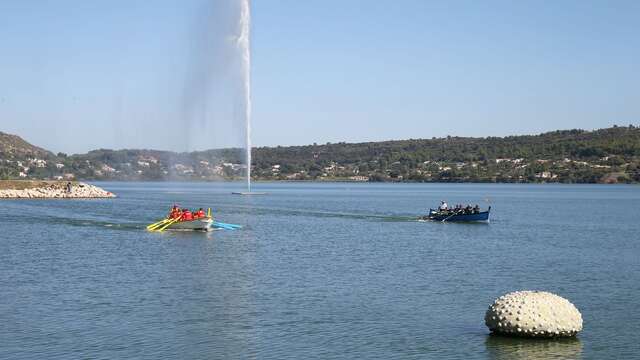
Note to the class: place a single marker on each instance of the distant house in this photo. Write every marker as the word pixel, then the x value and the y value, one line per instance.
pixel 331 167
pixel 147 159
pixel 108 169
pixel 546 175
pixel 184 169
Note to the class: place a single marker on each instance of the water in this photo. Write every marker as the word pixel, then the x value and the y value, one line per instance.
pixel 320 271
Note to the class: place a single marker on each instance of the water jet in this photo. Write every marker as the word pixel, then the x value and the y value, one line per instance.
pixel 244 44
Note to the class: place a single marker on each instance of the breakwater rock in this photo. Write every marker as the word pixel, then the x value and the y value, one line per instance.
pixel 533 314
pixel 51 190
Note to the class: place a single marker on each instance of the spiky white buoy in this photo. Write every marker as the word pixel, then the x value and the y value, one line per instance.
pixel 533 314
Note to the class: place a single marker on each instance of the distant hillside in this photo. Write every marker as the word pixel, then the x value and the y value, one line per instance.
pixel 605 155
pixel 13 145
pixel 570 156
pixel 16 155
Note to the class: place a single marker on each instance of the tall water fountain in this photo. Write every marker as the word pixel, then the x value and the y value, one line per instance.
pixel 244 45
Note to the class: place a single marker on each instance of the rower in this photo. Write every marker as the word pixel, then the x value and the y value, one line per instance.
pixel 187 215
pixel 174 213
pixel 199 214
pixel 443 206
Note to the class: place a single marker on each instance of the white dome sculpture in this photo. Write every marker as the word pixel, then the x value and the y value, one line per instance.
pixel 533 314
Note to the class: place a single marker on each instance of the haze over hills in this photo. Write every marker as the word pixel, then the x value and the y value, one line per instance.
pixel 570 156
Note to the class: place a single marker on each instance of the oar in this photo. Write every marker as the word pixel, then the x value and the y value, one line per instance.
pixel 448 217
pixel 222 226
pixel 232 226
pixel 157 224
pixel 227 226
pixel 171 222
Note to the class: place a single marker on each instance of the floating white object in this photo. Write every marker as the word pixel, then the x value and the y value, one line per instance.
pixel 533 314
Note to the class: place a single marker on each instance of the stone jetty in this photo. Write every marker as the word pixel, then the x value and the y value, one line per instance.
pixel 51 190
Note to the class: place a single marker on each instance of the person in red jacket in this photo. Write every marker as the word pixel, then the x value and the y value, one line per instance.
pixel 174 213
pixel 199 214
pixel 187 215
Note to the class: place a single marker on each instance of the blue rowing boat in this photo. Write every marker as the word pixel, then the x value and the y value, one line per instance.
pixel 460 216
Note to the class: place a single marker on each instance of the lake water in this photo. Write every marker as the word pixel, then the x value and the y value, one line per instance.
pixel 320 271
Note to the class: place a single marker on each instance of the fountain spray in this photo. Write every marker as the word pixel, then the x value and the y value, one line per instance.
pixel 244 42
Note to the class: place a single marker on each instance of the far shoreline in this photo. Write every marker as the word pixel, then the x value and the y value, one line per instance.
pixel 335 181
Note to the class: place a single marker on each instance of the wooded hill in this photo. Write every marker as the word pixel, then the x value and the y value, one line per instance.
pixel 571 156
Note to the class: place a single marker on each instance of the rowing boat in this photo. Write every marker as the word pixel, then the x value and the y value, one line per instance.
pixel 461 216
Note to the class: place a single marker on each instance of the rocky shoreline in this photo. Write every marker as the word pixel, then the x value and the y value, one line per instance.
pixel 51 190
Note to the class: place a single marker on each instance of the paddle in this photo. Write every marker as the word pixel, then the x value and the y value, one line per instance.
pixel 222 226
pixel 448 217
pixel 157 224
pixel 226 226
pixel 171 222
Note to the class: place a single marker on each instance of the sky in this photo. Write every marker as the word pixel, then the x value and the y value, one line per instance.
pixel 164 74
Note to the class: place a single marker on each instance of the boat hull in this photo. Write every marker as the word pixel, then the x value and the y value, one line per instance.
pixel 194 225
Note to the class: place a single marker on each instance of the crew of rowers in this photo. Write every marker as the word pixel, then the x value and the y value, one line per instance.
pixel 458 209
pixel 186 214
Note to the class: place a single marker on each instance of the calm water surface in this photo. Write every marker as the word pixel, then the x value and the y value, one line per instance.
pixel 319 271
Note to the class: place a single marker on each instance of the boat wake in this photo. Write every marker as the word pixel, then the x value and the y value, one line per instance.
pixel 256 211
pixel 56 220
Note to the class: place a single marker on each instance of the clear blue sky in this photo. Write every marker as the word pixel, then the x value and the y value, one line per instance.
pixel 78 75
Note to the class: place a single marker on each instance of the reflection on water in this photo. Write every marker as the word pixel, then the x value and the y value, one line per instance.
pixel 502 347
